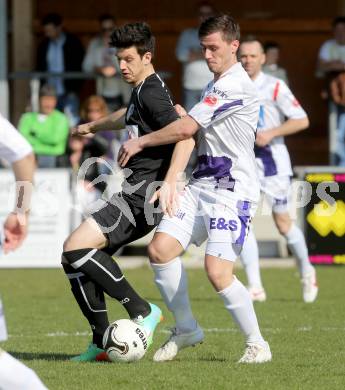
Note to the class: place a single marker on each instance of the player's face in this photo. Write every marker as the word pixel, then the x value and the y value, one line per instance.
pixel 132 65
pixel 219 53
pixel 252 58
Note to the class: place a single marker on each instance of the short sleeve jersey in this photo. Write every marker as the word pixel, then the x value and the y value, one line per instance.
pixel 277 103
pixel 13 146
pixel 150 108
pixel 228 116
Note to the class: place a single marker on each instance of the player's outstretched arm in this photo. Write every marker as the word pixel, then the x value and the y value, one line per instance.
pixel 291 126
pixel 178 130
pixel 113 121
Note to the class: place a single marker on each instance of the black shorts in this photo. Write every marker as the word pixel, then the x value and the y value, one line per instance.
pixel 123 220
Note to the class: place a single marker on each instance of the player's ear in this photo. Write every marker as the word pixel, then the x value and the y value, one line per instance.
pixel 147 57
pixel 263 58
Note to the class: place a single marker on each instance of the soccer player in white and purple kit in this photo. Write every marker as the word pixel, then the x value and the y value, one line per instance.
pixel 220 199
pixel 280 115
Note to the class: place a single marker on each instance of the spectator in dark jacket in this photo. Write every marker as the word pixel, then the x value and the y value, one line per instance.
pixel 59 52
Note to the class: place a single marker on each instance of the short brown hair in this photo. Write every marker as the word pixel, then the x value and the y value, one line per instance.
pixel 224 24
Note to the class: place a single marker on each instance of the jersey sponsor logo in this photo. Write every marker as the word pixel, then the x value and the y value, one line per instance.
pixel 223 224
pixel 210 100
pixel 220 93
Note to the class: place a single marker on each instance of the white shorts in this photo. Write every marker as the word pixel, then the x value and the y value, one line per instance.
pixel 13 146
pixel 277 192
pixel 221 220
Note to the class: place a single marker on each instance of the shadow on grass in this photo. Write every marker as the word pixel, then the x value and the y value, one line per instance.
pixel 40 356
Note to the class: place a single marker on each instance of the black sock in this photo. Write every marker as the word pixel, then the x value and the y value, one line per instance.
pixel 102 269
pixel 90 298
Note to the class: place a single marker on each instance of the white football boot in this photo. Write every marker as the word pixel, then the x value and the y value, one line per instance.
pixel 176 342
pixel 256 353
pixel 257 294
pixel 310 287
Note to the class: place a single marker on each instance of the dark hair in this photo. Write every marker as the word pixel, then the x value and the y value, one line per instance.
pixel 338 20
pixel 47 90
pixel 104 17
pixel 134 34
pixel 271 45
pixel 252 38
pixel 224 24
pixel 52 18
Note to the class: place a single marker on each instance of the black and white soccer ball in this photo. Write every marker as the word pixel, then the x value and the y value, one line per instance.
pixel 125 341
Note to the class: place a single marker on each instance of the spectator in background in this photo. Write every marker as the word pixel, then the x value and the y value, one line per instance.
pixel 61 51
pixel 271 66
pixel 46 130
pixel 100 58
pixel 331 66
pixel 196 74
pixel 81 148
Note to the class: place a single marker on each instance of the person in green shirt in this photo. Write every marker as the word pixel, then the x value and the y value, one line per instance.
pixel 46 130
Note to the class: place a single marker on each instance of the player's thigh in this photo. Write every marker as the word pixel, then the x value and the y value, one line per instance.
pixel 87 235
pixel 164 248
pixel 219 271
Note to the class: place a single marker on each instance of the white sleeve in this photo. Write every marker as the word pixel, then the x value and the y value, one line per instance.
pixel 287 102
pixel 13 146
pixel 214 107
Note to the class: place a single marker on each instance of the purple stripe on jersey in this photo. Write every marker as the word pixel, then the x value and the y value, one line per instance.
pixel 225 107
pixel 264 153
pixel 243 208
pixel 218 168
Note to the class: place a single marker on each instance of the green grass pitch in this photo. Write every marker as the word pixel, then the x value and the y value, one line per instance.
pixel 307 340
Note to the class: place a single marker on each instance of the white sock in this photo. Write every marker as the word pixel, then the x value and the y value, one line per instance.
pixel 298 247
pixel 250 260
pixel 171 280
pixel 237 301
pixel 15 375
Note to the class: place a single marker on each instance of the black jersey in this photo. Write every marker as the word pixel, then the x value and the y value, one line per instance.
pixel 150 108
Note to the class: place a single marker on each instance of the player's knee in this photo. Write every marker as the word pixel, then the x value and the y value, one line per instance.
pixel 156 252
pixel 69 245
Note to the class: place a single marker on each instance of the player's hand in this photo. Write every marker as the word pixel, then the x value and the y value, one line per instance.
pixel 168 198
pixel 83 129
pixel 180 110
pixel 15 231
pixel 128 150
pixel 263 138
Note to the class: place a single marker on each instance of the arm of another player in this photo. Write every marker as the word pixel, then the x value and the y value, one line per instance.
pixel 289 106
pixel 113 121
pixel 291 126
pixel 16 223
pixel 176 131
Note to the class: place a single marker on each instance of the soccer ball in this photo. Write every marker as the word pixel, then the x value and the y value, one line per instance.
pixel 125 341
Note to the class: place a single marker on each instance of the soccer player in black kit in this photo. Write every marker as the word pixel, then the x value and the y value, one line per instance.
pixel 86 257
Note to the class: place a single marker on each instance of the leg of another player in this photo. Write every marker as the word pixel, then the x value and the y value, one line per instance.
pixel 298 247
pixel 250 261
pixel 171 280
pixel 92 271
pixel 238 302
pixel 15 375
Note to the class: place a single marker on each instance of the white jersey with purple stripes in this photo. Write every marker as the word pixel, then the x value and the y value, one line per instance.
pixel 228 116
pixel 277 103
